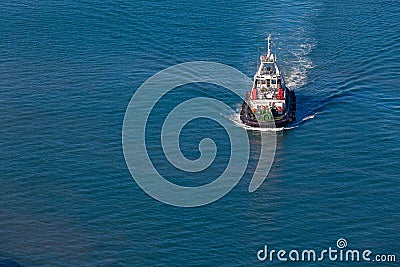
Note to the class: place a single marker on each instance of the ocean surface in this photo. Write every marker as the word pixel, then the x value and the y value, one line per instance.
pixel 68 70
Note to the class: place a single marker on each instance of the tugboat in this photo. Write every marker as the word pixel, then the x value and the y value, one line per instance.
pixel 269 103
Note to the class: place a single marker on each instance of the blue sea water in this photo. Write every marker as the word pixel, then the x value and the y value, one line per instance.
pixel 68 70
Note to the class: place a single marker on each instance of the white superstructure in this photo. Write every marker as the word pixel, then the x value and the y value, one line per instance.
pixel 268 84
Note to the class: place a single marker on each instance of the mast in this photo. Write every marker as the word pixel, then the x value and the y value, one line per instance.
pixel 269 46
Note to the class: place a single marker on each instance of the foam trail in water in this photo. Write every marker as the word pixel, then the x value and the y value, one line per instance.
pixel 297 75
pixel 297 124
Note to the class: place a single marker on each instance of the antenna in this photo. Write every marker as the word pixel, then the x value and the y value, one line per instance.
pixel 266 44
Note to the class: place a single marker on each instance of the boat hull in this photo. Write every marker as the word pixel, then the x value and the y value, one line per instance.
pixel 248 118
